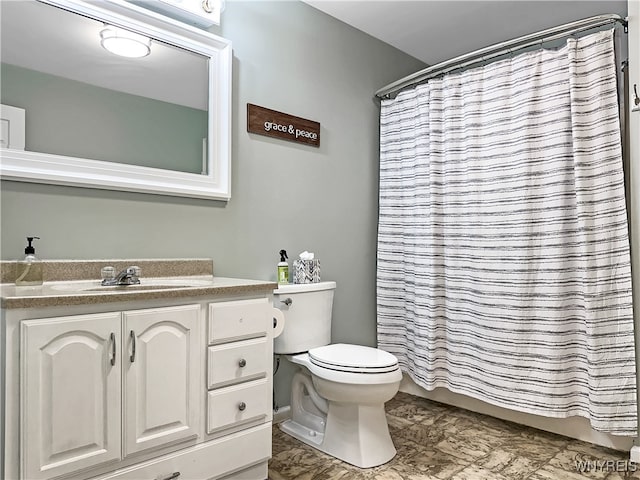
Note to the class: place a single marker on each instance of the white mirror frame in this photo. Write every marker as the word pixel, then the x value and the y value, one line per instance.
pixel 46 168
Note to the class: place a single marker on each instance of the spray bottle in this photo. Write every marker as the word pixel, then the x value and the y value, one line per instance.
pixel 283 268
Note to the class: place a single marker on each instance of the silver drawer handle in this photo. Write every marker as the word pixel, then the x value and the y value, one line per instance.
pixel 112 337
pixel 287 301
pixel 242 406
pixel 132 357
pixel 171 476
pixel 242 363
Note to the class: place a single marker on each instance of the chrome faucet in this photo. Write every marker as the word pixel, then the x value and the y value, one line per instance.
pixel 128 276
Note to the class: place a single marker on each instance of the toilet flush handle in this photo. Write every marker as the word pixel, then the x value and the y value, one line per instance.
pixel 287 301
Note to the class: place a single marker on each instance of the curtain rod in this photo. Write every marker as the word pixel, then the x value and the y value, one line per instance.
pixel 497 50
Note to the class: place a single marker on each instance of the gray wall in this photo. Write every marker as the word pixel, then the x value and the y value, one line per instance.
pixel 291 58
pixel 127 128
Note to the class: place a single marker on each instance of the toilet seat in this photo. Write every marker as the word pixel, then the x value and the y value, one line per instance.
pixel 353 358
pixel 353 378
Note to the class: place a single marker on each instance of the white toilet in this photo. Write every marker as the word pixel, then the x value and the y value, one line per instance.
pixel 338 395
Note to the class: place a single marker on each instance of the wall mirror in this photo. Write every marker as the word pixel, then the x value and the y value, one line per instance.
pixel 157 123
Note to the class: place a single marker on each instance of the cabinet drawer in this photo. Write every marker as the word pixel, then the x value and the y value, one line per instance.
pixel 237 362
pixel 238 404
pixel 257 472
pixel 214 459
pixel 238 320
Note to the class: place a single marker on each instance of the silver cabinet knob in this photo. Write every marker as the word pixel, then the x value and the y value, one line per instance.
pixel 242 363
pixel 206 6
pixel 287 301
pixel 242 406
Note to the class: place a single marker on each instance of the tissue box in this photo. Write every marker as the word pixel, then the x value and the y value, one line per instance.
pixel 306 271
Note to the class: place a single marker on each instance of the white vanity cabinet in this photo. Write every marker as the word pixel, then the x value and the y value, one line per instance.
pixel 137 390
pixel 74 398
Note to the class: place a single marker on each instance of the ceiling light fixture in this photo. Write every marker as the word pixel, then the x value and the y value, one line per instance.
pixel 125 43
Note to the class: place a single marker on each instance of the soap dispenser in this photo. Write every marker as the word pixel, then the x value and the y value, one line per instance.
pixel 29 270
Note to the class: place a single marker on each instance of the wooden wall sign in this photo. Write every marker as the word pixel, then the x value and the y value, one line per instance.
pixel 271 123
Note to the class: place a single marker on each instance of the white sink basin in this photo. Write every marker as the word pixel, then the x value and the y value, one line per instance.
pixel 145 284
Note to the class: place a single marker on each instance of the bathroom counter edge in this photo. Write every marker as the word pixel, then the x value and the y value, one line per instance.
pixel 13 297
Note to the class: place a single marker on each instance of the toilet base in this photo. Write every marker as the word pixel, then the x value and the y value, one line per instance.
pixel 302 433
pixel 356 434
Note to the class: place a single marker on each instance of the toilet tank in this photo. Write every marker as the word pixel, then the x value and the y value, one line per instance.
pixel 307 314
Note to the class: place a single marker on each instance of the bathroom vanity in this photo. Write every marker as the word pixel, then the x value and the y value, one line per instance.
pixel 168 379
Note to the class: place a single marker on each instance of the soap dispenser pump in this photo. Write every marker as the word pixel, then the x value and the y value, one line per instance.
pixel 283 268
pixel 29 270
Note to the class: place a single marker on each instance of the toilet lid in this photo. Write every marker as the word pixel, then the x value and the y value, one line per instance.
pixel 353 358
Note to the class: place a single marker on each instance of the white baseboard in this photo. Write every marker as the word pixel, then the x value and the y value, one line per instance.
pixel 634 454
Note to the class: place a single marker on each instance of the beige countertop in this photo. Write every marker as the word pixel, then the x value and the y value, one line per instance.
pixel 63 270
pixel 76 282
pixel 84 292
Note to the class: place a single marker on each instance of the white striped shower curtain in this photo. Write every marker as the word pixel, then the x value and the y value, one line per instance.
pixel 503 255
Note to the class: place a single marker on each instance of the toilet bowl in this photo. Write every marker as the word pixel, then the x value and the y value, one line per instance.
pixel 339 391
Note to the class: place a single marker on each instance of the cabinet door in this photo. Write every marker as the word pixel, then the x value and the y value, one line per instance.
pixel 70 394
pixel 163 381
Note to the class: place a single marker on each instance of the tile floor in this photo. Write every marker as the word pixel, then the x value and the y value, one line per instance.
pixel 439 442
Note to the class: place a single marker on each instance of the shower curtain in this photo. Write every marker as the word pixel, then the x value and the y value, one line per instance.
pixel 503 255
